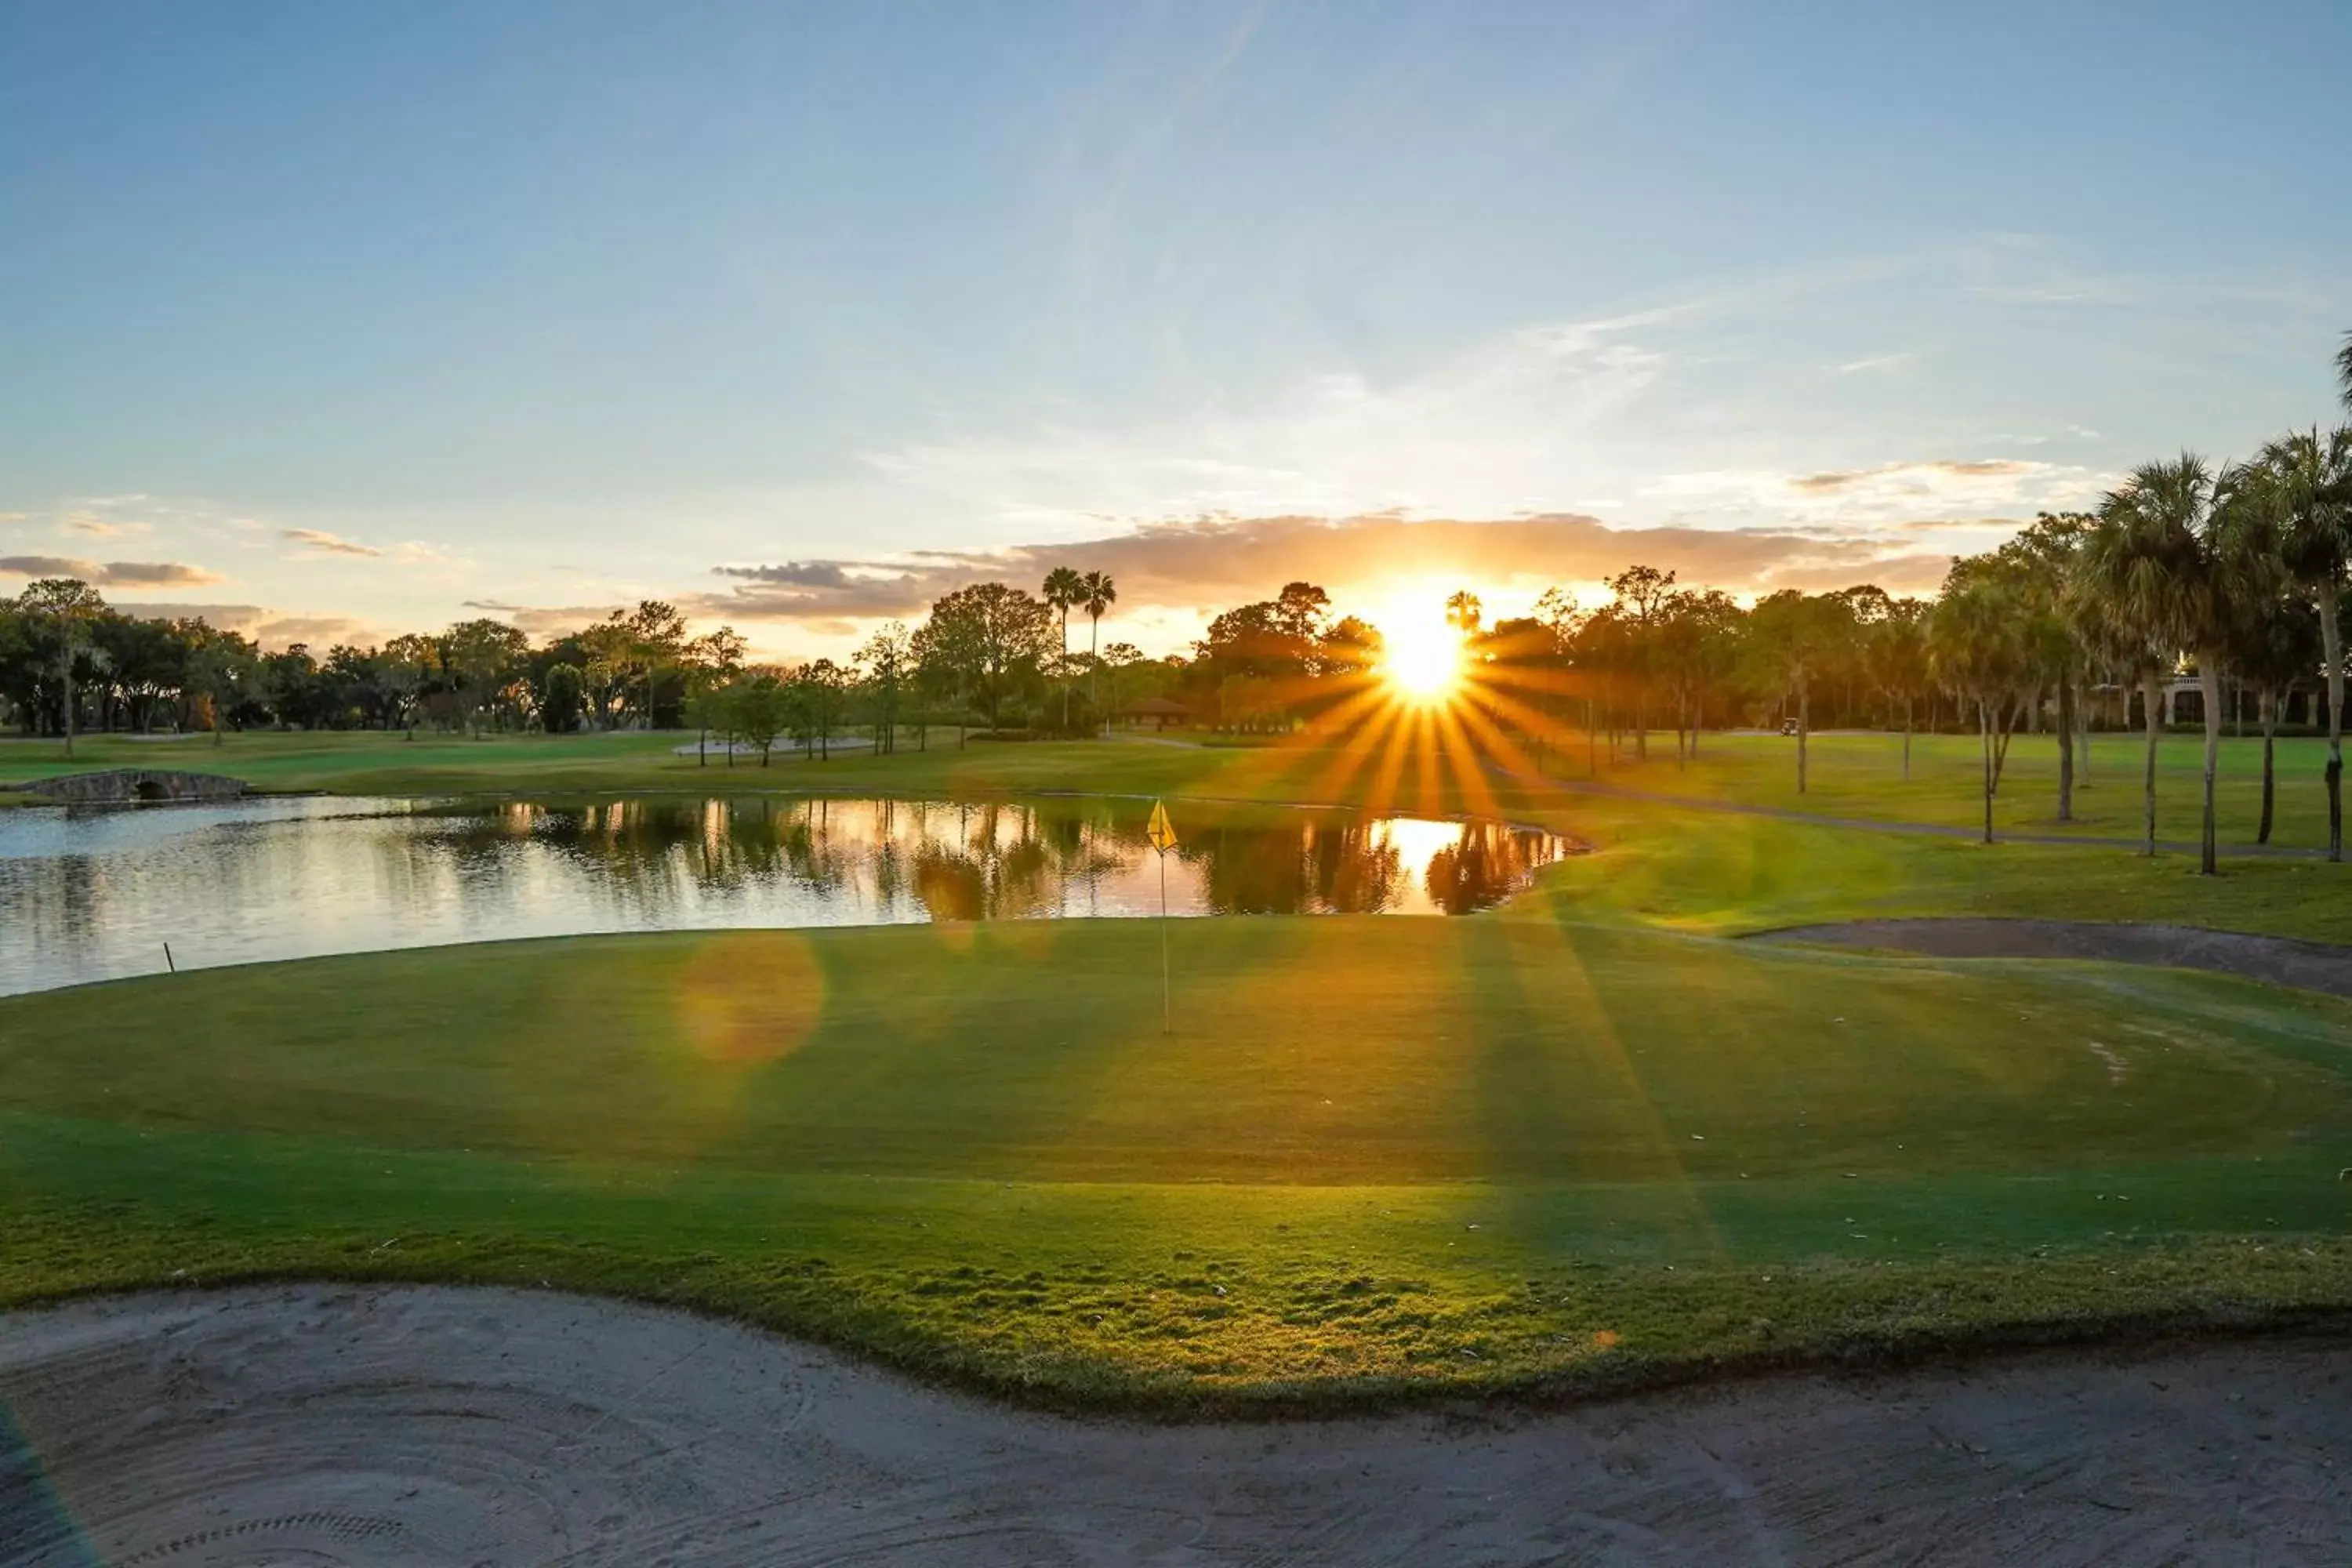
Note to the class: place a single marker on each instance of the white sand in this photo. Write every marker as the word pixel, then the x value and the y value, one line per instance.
pixel 316 1425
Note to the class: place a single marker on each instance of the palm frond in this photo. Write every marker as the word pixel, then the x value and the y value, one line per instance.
pixel 2309 475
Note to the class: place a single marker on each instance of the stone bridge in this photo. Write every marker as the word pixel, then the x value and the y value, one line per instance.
pixel 116 786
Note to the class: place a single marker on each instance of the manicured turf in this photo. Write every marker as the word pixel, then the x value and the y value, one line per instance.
pixel 1573 1143
pixel 1855 776
pixel 367 763
pixel 1706 871
pixel 1377 1155
pixel 1861 775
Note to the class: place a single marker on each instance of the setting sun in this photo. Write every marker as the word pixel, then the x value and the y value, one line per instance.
pixel 1241 717
pixel 1422 660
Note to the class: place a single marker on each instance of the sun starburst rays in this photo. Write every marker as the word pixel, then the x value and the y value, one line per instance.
pixel 1442 728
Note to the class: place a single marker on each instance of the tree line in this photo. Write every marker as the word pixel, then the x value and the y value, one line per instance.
pixel 70 663
pixel 2231 573
pixel 988 656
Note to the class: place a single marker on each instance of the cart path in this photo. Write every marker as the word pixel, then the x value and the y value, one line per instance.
pixel 329 1426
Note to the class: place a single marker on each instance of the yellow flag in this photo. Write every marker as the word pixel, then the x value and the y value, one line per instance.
pixel 1162 832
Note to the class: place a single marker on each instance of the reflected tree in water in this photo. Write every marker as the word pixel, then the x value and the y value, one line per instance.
pixel 1327 867
pixel 93 907
pixel 1358 871
pixel 1486 866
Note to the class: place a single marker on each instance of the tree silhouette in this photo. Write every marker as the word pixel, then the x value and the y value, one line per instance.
pixel 2308 483
pixel 67 608
pixel 1064 591
pixel 1099 594
pixel 2153 562
pixel 985 641
pixel 1977 641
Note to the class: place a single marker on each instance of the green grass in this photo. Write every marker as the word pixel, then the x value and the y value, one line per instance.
pixel 1855 776
pixel 1578 1143
pixel 1505 1154
pixel 366 763
pixel 1702 871
pixel 1861 776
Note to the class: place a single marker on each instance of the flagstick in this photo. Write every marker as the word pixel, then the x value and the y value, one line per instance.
pixel 1162 834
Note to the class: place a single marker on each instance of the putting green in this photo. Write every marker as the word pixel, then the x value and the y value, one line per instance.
pixel 1375 1155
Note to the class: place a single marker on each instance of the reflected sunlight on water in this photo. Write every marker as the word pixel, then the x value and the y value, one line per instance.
pixel 87 895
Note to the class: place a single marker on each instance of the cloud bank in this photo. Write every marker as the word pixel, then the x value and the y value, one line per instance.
pixel 545 620
pixel 1222 560
pixel 109 574
pixel 271 629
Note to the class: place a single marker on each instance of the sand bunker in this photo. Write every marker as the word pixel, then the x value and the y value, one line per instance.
pixel 2282 961
pixel 447 1426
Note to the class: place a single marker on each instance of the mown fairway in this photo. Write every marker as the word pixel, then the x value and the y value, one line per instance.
pixel 1491 1152
pixel 1860 775
pixel 1575 1143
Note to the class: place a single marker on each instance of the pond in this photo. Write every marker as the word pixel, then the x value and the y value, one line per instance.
pixel 95 894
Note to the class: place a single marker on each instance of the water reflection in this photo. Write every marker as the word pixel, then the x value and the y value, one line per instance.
pixel 88 895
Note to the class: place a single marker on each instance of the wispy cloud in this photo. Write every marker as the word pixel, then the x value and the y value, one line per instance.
pixel 319 542
pixel 2044 438
pixel 155 574
pixel 271 629
pixel 1860 499
pixel 49 566
pixel 325 543
pixel 794 573
pixel 545 620
pixel 98 527
pixel 1500 427
pixel 2054 294
pixel 1533 421
pixel 109 574
pixel 1846 479
pixel 1878 362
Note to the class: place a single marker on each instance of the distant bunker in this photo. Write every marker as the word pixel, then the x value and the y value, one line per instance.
pixel 116 787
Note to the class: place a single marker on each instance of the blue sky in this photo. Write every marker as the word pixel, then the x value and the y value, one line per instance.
pixel 339 319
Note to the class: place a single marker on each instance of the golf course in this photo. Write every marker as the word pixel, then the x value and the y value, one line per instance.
pixel 1590 1139
pixel 1235 786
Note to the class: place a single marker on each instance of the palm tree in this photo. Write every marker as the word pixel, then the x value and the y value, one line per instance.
pixel 1099 595
pixel 2271 633
pixel 2154 561
pixel 2308 481
pixel 1065 589
pixel 1897 657
pixel 1980 643
pixel 1790 633
pixel 2038 562
pixel 2344 369
pixel 2121 652
pixel 2282 644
